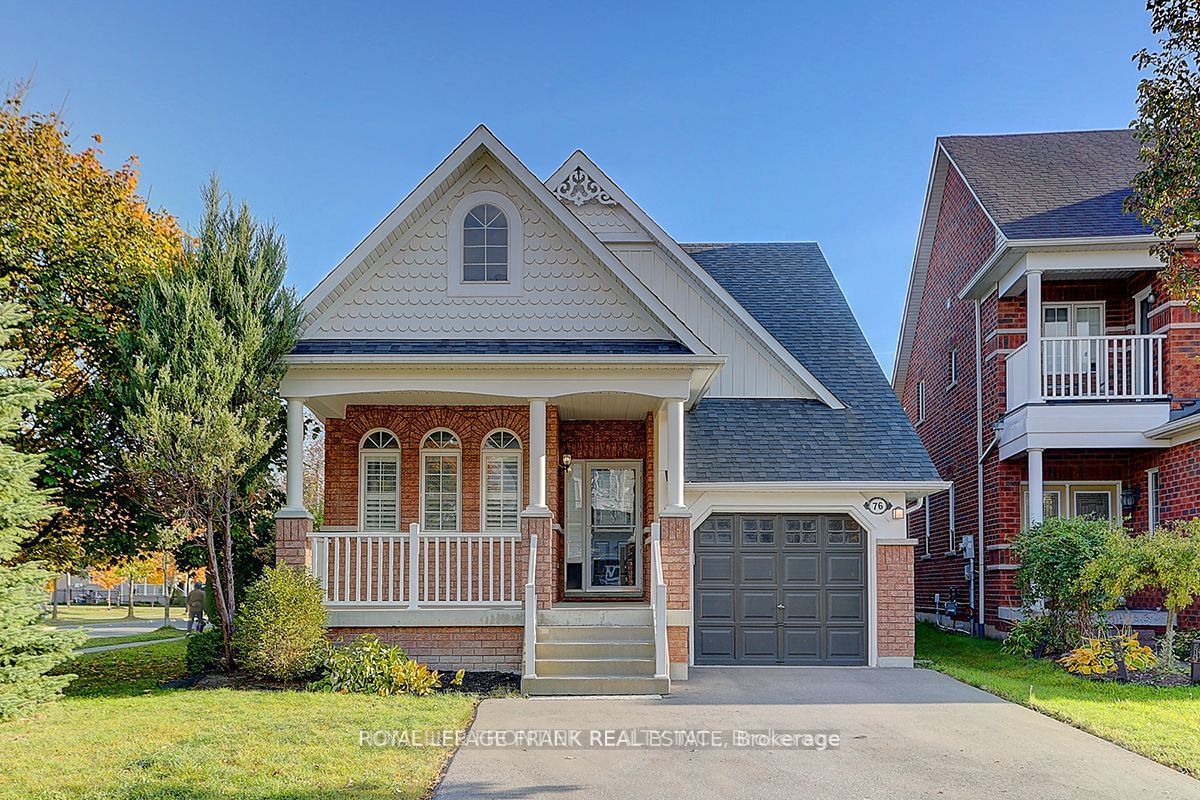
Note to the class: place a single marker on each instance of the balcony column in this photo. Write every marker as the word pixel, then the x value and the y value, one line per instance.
pixel 537 459
pixel 295 453
pixel 1033 331
pixel 675 505
pixel 1036 487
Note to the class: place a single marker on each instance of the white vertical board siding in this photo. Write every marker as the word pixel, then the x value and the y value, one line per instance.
pixel 750 371
pixel 566 292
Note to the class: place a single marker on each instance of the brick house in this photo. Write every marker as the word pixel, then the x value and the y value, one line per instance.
pixel 1091 407
pixel 559 442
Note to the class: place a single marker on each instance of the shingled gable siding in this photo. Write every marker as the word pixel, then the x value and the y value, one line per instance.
pixel 963 239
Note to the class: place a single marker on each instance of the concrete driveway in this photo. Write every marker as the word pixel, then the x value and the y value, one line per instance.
pixel 905 734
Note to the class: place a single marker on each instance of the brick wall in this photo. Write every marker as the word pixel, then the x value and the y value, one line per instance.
pixel 963 240
pixel 450 648
pixel 894 593
pixel 291 542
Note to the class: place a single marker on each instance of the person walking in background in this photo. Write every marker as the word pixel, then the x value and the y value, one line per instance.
pixel 195 608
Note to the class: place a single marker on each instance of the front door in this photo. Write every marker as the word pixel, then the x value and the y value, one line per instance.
pixel 612 555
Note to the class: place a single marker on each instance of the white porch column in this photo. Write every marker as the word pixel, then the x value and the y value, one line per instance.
pixel 1036 490
pixel 1033 331
pixel 675 503
pixel 537 459
pixel 295 453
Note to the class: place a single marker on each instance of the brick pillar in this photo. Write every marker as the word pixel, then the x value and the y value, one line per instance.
pixel 896 617
pixel 676 532
pixel 292 545
pixel 544 580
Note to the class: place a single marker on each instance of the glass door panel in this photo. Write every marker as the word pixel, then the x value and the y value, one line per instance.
pixel 613 555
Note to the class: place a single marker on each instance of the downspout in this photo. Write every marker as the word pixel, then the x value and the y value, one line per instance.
pixel 980 550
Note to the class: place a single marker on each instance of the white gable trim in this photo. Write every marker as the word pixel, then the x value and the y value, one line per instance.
pixel 482 139
pixel 732 308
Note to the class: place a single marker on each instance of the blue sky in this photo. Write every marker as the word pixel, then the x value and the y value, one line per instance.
pixel 726 122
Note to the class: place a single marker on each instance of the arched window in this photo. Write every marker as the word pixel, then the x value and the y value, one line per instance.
pixel 501 502
pixel 441 457
pixel 379 481
pixel 485 245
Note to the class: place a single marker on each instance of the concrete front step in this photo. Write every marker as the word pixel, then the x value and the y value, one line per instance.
pixel 596 614
pixel 595 633
pixel 593 685
pixel 594 649
pixel 596 667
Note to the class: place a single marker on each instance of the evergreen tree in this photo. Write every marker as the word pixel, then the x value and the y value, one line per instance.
pixel 204 414
pixel 28 650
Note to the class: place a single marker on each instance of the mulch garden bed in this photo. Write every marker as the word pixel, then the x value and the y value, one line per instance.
pixel 473 682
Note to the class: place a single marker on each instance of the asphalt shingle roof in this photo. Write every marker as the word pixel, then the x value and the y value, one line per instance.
pixel 790 290
pixel 1052 185
pixel 489 347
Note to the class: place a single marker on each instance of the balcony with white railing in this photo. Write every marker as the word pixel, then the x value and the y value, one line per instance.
pixel 417 569
pixel 1088 368
pixel 1083 392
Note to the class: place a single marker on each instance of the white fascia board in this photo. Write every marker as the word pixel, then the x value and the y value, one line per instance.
pixel 1010 251
pixel 482 138
pixel 736 311
pixel 341 360
pixel 1178 431
pixel 910 487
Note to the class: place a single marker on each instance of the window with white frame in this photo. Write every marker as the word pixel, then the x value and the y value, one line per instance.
pixel 485 245
pixel 501 487
pixel 441 459
pixel 1152 500
pixel 951 521
pixel 1074 499
pixel 920 402
pixel 927 527
pixel 379 482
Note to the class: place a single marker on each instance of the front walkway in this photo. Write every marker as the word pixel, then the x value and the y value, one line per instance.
pixel 904 734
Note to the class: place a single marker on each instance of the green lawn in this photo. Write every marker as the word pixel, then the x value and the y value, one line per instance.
pixel 161 633
pixel 1162 724
pixel 118 735
pixel 76 615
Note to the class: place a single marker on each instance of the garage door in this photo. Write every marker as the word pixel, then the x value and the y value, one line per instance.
pixel 780 589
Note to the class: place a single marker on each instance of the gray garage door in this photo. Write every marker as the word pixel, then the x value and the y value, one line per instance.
pixel 780 589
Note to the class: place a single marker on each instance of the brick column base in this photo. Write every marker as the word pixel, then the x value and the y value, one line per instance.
pixel 544 580
pixel 896 617
pixel 292 546
pixel 676 532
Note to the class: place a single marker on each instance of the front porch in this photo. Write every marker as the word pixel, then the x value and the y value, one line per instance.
pixel 456 528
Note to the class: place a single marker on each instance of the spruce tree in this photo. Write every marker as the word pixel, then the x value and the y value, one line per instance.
pixel 28 650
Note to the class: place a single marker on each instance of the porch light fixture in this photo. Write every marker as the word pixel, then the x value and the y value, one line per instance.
pixel 566 461
pixel 898 512
pixel 1129 498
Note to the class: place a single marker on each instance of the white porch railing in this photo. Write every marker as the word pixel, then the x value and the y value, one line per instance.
pixel 531 610
pixel 1102 367
pixel 1089 368
pixel 658 602
pixel 418 568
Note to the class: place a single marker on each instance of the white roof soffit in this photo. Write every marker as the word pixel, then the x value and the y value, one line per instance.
pixel 724 299
pixel 482 139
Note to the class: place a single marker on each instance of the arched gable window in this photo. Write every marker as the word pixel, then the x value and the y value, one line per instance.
pixel 379 481
pixel 501 485
pixel 441 459
pixel 485 245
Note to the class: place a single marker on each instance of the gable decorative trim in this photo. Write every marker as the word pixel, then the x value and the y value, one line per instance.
pixel 580 188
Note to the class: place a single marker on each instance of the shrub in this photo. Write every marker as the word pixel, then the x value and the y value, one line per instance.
pixel 280 627
pixel 1054 556
pixel 1183 645
pixel 1028 635
pixel 204 651
pixel 1095 657
pixel 1166 559
pixel 368 666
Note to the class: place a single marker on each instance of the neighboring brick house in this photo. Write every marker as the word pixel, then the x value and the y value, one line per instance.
pixel 1095 403
pixel 514 372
